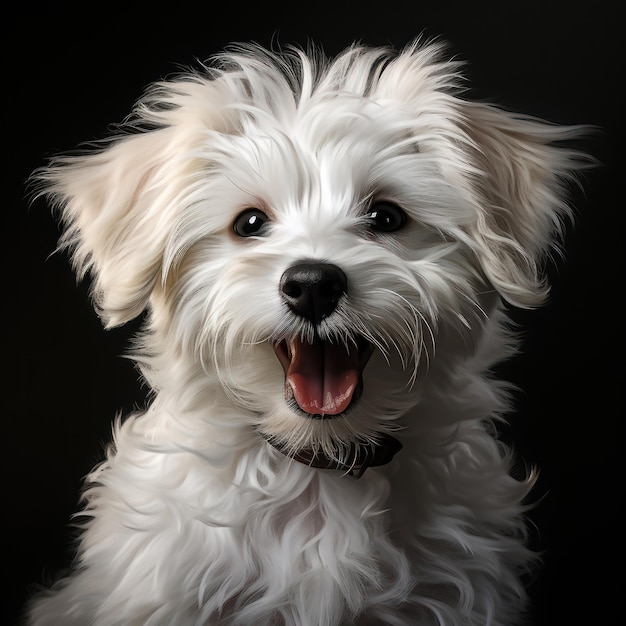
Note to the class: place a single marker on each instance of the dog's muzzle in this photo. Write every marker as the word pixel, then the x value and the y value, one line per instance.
pixel 324 378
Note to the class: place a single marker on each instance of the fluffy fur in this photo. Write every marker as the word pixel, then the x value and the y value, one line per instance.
pixel 200 513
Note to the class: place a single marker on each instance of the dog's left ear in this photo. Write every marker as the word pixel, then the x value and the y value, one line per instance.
pixel 523 167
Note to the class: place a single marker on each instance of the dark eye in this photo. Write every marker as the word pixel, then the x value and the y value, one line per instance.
pixel 386 217
pixel 250 222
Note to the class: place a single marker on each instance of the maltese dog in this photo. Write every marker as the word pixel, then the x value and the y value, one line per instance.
pixel 324 250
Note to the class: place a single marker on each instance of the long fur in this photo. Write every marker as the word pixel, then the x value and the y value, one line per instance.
pixel 194 517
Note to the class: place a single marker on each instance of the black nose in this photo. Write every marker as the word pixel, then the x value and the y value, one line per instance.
pixel 313 289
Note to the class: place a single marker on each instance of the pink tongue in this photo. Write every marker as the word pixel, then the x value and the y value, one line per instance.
pixel 323 376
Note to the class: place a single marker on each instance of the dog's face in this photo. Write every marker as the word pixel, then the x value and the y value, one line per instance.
pixel 335 252
pixel 315 238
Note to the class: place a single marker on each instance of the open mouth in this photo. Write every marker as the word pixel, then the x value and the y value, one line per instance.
pixel 324 379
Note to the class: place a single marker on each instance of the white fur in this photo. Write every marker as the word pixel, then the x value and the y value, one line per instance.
pixel 194 518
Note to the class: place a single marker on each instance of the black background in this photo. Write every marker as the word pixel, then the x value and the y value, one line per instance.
pixel 71 70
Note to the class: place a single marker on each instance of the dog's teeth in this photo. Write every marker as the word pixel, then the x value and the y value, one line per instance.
pixel 288 393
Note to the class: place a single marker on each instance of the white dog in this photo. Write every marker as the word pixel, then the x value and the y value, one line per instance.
pixel 324 248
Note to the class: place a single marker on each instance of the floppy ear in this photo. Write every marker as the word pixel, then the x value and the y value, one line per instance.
pixel 520 194
pixel 517 168
pixel 119 204
pixel 115 224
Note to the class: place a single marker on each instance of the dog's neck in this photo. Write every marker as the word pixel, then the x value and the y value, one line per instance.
pixel 359 456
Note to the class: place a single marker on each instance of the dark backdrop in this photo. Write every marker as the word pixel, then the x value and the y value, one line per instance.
pixel 69 71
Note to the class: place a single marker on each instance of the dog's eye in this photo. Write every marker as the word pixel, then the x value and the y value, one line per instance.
pixel 250 222
pixel 386 217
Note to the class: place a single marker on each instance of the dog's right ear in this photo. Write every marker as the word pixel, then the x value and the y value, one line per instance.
pixel 115 219
pixel 120 202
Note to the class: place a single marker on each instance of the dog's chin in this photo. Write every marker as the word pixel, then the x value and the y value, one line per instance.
pixel 295 433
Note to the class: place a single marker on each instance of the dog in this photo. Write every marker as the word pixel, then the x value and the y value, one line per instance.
pixel 325 251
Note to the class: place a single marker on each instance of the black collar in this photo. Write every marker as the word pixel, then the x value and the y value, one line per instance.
pixel 361 456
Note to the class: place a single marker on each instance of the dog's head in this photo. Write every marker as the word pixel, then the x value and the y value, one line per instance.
pixel 312 231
